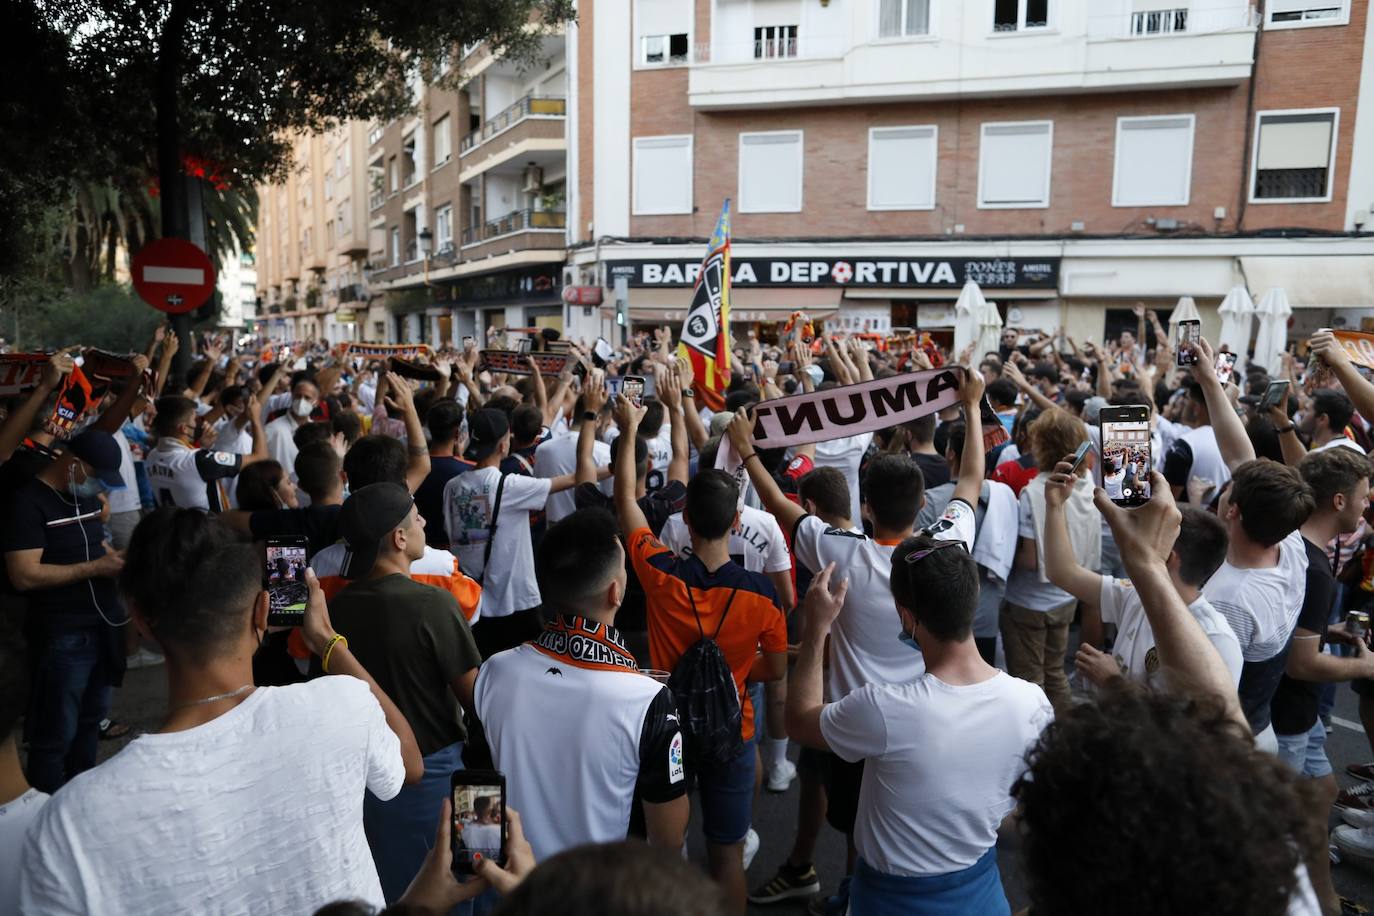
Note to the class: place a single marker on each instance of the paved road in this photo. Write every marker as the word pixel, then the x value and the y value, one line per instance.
pixel 141 703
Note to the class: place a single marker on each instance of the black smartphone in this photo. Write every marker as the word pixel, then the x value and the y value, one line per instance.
pixel 1273 395
pixel 1080 455
pixel 479 818
pixel 633 388
pixel 1226 363
pixel 787 367
pixel 1126 454
pixel 287 591
pixel 1189 334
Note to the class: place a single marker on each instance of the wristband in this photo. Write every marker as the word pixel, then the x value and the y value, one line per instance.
pixel 1287 429
pixel 329 650
pixel 744 458
pixel 589 415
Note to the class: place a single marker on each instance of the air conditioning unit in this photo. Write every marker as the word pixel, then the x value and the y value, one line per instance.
pixel 533 181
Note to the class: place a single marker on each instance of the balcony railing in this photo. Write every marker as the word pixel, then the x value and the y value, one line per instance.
pixel 511 223
pixel 529 106
pixel 1171 21
pixel 1159 22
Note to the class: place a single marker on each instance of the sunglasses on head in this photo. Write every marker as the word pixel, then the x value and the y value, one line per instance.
pixel 917 556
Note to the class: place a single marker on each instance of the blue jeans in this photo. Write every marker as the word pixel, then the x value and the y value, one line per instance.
pixel 71 694
pixel 974 891
pixel 401 831
pixel 1305 754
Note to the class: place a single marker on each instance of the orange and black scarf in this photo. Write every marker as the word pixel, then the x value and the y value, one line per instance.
pixel 585 643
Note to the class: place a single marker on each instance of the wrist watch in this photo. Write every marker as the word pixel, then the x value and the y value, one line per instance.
pixel 687 393
pixel 589 415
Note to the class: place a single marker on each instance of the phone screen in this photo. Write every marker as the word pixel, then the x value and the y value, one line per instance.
pixel 468 343
pixel 1189 333
pixel 1273 394
pixel 1126 460
pixel 479 818
pixel 633 388
pixel 287 591
pixel 1226 362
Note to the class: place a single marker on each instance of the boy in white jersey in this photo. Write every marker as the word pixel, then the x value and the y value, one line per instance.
pixel 187 477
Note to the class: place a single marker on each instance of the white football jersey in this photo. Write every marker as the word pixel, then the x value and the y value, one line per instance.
pixel 190 478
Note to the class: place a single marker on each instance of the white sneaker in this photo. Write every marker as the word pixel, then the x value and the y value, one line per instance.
pixel 1354 841
pixel 751 847
pixel 780 777
pixel 145 658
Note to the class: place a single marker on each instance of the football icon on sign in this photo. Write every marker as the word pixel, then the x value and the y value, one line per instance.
pixel 842 272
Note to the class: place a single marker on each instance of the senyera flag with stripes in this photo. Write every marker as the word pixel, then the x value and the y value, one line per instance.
pixel 705 339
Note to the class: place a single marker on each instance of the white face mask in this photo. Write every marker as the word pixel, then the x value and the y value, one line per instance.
pixel 302 407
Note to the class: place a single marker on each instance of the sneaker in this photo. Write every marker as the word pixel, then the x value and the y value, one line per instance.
pixel 1363 771
pixel 1357 817
pixel 780 777
pixel 1354 841
pixel 1360 796
pixel 751 847
pixel 145 658
pixel 1352 908
pixel 790 881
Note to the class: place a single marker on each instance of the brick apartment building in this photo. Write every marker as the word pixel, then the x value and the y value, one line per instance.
pixel 1074 157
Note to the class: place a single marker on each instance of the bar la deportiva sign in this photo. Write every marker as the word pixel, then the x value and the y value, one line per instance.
pixel 919 273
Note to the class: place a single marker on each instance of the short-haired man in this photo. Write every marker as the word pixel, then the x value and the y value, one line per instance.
pixel 1325 423
pixel 168 819
pixel 863 649
pixel 576 692
pixel 929 809
pixel 184 476
pixel 319 472
pixel 708 593
pixel 445 421
pixel 415 642
pixel 281 432
pixel 1193 465
pixel 558 457
pixel 56 557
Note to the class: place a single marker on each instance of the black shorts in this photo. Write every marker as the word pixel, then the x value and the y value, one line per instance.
pixel 815 763
pixel 1363 686
pixel 842 794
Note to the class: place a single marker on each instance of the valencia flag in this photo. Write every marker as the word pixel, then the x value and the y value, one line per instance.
pixel 705 340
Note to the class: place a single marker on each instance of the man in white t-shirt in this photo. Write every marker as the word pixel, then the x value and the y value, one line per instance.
pixel 845 455
pixel 281 432
pixel 482 499
pixel 19 802
pixel 558 457
pixel 1199 549
pixel 199 813
pixel 187 477
pixel 863 647
pixel 941 751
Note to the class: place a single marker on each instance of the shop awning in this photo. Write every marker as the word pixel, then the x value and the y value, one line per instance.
pixel 746 305
pixel 902 292
pixel 1314 281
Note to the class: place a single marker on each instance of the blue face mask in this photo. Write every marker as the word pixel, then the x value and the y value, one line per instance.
pixel 909 640
pixel 89 488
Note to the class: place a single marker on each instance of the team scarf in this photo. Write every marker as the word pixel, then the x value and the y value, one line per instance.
pixel 20 372
pixel 584 643
pixel 382 351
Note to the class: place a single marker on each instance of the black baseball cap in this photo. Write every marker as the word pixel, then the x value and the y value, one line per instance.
pixel 367 516
pixel 100 450
pixel 486 428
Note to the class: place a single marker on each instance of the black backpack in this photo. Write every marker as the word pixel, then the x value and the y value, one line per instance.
pixel 707 699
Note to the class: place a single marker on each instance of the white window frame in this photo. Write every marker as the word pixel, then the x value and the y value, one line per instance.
pixel 1188 172
pixel 439 216
pixel 934 172
pixel 1330 164
pixel 801 172
pixel 442 126
pixel 1342 19
pixel 635 209
pixel 931 34
pixel 642 58
pixel 982 165
pixel 1021 28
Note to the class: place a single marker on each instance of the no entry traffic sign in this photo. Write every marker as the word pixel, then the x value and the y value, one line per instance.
pixel 173 275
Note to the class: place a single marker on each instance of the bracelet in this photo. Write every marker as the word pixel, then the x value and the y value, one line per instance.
pixel 589 415
pixel 1287 429
pixel 745 458
pixel 329 650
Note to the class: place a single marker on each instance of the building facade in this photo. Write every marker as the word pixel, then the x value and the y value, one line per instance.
pixel 1075 158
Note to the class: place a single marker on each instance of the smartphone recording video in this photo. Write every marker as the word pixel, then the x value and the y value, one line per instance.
pixel 633 388
pixel 1189 334
pixel 1226 364
pixel 479 818
pixel 1273 395
pixel 1126 454
pixel 287 591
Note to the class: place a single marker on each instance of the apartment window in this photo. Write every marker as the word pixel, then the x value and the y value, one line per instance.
pixel 1020 15
pixel 1293 14
pixel 395 245
pixel 306 242
pixel 664 49
pixel 341 218
pixel 443 141
pixel 1159 21
pixel 443 227
pixel 328 184
pixel 1014 165
pixel 901 168
pixel 374 134
pixel 1154 161
pixel 329 233
pixel 1295 152
pixel 662 175
pixel 410 163
pixel 775 41
pixel 897 18
pixel 770 172
pixel 393 174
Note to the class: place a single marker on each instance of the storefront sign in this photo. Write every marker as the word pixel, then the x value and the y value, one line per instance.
pixel 914 273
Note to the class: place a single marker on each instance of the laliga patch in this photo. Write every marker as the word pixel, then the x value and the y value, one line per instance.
pixel 224 458
pixel 676 773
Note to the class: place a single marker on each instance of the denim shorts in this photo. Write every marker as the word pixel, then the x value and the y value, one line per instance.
pixel 727 797
pixel 1305 754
